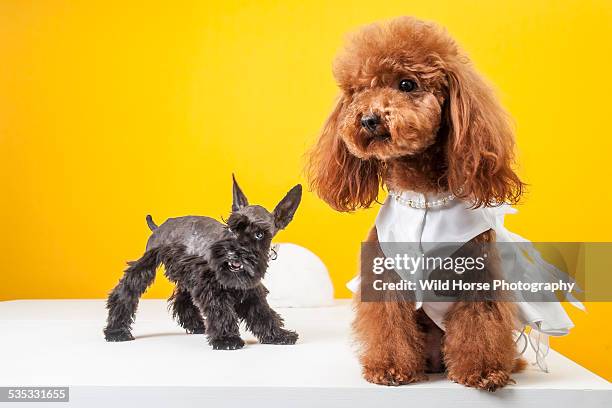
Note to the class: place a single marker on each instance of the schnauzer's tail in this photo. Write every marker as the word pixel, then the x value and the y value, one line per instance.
pixel 151 223
pixel 123 300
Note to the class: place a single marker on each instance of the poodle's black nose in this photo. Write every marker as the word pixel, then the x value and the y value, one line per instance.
pixel 370 122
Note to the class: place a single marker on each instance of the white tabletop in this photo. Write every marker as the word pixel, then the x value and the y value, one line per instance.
pixel 60 342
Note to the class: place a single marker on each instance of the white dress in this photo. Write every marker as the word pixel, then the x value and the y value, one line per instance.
pixel 457 222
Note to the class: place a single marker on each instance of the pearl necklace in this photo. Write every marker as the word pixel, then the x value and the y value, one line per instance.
pixel 421 204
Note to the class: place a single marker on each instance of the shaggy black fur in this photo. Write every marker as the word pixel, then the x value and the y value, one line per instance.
pixel 217 270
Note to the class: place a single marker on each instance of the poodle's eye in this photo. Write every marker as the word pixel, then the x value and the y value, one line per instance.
pixel 259 235
pixel 407 85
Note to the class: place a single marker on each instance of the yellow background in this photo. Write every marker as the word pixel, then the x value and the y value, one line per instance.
pixel 110 110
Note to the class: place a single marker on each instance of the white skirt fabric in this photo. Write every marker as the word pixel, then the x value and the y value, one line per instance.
pixel 456 222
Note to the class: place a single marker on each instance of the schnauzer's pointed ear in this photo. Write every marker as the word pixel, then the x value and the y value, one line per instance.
pixel 283 212
pixel 239 200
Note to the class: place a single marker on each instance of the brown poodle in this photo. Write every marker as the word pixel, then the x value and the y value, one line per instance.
pixel 414 114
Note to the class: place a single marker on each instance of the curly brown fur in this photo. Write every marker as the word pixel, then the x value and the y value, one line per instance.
pixel 217 270
pixel 448 134
pixel 413 114
pixel 391 345
pixel 478 346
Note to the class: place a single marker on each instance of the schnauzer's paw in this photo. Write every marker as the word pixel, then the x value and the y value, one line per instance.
pixel 391 376
pixel 285 337
pixel 197 330
pixel 227 343
pixel 118 335
pixel 488 381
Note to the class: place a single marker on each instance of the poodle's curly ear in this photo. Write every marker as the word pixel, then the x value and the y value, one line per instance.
pixel 481 141
pixel 342 180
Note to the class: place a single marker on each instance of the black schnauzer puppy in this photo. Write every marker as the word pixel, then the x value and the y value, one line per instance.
pixel 217 269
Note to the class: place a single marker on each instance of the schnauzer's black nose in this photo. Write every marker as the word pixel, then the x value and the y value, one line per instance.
pixel 370 122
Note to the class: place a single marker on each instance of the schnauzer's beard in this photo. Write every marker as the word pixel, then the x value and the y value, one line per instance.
pixel 236 266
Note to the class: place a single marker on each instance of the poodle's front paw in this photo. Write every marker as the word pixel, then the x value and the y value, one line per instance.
pixel 227 343
pixel 118 335
pixel 488 381
pixel 282 337
pixel 391 376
